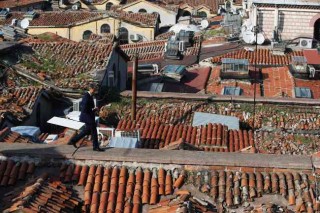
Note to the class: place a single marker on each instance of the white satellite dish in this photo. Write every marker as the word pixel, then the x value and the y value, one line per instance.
pixel 260 38
pixel 24 24
pixel 248 37
pixel 14 22
pixel 204 24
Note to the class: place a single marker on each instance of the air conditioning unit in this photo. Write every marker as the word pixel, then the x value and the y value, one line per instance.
pixel 75 7
pixel 76 104
pixel 182 46
pixel 305 43
pixel 312 71
pixel 136 37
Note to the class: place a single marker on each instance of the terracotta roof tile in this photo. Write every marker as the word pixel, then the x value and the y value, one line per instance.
pixel 312 56
pixel 11 172
pixel 211 137
pixel 15 3
pixel 264 57
pixel 313 85
pixel 77 58
pixel 19 102
pixel 58 18
pixel 49 196
pixel 277 82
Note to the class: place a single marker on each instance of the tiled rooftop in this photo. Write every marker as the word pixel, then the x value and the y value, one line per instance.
pixel 12 172
pixel 45 196
pixel 153 50
pixel 211 137
pixel 72 59
pixel 19 101
pixel 15 3
pixel 312 56
pixel 264 57
pixel 55 18
pixel 165 36
pixel 216 84
pixel 104 38
pixel 313 85
pixel 146 50
pixel 120 189
pixel 277 82
pixel 128 189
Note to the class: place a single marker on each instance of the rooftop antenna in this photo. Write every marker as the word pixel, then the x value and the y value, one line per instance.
pixel 134 38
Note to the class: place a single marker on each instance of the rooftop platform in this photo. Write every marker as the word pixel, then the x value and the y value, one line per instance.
pixel 178 157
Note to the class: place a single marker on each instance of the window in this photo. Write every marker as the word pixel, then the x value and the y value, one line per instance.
pixel 108 6
pixel 123 36
pixel 302 92
pixel 111 78
pixel 231 91
pixel 142 11
pixel 86 34
pixel 105 28
pixel 202 14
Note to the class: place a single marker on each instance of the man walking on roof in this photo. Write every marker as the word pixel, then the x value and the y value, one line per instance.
pixel 87 116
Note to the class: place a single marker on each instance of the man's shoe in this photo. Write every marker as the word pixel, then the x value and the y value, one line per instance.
pixel 72 143
pixel 98 149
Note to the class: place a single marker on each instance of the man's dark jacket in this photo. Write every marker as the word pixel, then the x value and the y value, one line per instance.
pixel 87 114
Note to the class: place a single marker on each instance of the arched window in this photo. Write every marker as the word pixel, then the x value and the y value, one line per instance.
pixel 86 34
pixel 186 13
pixel 155 13
pixel 202 14
pixel 142 11
pixel 105 28
pixel 317 30
pixel 108 6
pixel 123 36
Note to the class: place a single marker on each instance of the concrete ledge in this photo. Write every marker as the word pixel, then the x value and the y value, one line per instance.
pixel 202 97
pixel 179 157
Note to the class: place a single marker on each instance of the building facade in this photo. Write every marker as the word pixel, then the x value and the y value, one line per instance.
pixel 78 25
pixel 291 19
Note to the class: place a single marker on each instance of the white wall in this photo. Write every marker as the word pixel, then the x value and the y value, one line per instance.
pixel 292 23
pixel 167 18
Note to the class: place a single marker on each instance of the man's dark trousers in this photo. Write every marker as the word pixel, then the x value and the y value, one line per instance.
pixel 87 116
pixel 88 129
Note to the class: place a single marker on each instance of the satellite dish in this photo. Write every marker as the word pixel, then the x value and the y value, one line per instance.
pixel 248 37
pixel 204 24
pixel 24 24
pixel 260 38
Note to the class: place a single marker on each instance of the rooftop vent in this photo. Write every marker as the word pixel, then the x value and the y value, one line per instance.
pixel 299 64
pixel 4 13
pixel 30 15
pixel 235 68
pixel 231 91
pixel 302 92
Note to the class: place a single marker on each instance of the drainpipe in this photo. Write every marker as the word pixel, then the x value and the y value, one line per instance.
pixel 69 32
pixel 134 87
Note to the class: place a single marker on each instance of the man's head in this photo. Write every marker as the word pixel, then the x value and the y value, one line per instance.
pixel 92 88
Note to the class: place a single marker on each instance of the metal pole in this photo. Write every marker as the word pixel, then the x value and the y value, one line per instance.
pixel 134 87
pixel 255 80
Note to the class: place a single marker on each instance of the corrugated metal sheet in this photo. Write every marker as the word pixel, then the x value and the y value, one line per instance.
pixel 201 118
